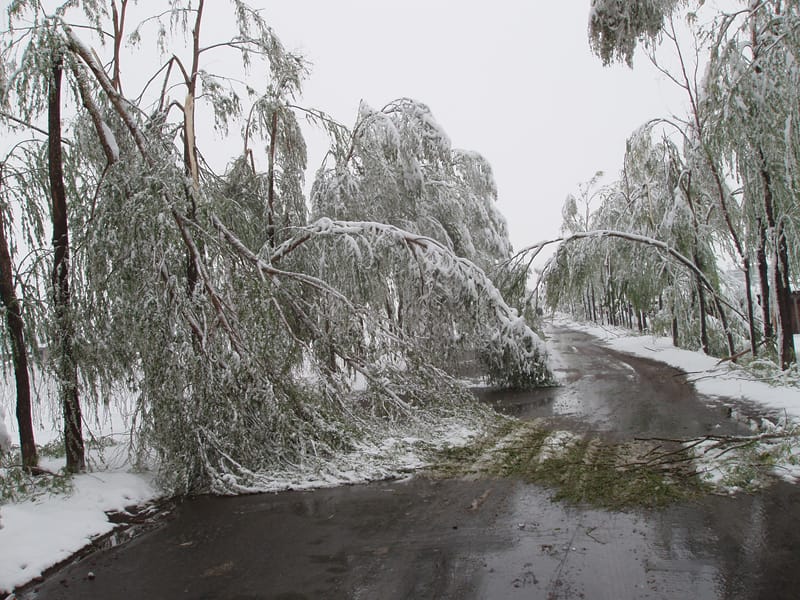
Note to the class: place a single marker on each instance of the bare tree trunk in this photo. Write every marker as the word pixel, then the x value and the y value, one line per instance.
pixel 751 320
pixel 782 284
pixel 19 352
pixel 701 297
pixel 190 147
pixel 67 369
pixel 675 339
pixel 118 18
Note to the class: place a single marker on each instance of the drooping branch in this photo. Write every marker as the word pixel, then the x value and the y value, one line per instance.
pixel 637 239
pixel 104 134
pixel 437 259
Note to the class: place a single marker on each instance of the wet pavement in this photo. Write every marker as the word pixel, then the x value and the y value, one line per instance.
pixel 605 391
pixel 461 539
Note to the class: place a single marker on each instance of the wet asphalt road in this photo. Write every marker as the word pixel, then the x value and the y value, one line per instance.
pixel 491 539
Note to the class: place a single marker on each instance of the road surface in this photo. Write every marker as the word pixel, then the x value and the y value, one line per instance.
pixel 483 539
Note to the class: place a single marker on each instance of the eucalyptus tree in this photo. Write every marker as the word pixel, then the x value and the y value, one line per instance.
pixel 752 90
pixel 713 122
pixel 34 87
pixel 398 167
pixel 616 27
pixel 707 177
pixel 212 297
pixel 619 248
pixel 15 324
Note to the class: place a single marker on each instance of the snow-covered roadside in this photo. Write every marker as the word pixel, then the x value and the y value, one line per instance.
pixel 39 533
pixel 709 376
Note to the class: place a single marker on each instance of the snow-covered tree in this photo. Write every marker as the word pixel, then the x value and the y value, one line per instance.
pixel 617 26
pixel 253 338
pixel 751 88
pixel 399 167
pixel 739 130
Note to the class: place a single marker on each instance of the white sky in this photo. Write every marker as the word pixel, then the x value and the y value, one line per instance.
pixel 512 79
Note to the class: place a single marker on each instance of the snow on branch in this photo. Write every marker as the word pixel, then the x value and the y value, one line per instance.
pixel 76 45
pixel 523 351
pixel 535 249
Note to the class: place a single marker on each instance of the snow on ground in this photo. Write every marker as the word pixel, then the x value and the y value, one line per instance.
pixel 48 528
pixel 38 533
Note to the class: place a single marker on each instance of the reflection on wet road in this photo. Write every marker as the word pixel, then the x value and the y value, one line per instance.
pixel 618 394
pixel 493 539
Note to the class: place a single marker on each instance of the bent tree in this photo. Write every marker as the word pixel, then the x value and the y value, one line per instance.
pixel 253 341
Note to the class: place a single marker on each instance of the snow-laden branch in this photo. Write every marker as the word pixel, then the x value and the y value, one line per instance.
pixel 439 262
pixel 104 133
pixel 631 237
pixel 76 45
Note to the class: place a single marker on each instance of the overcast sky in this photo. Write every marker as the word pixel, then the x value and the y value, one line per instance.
pixel 512 79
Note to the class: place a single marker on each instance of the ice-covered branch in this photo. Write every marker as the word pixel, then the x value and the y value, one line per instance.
pixel 104 133
pixel 508 339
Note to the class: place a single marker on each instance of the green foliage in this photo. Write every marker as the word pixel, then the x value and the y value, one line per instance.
pixel 579 470
pixel 255 342
pixel 18 484
pixel 617 26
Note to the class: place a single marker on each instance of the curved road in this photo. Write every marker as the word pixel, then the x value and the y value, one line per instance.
pixel 492 539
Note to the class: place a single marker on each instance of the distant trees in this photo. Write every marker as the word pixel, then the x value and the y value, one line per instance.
pixel 254 339
pixel 679 184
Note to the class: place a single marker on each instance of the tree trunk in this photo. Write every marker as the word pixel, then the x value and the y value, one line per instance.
pixel 784 294
pixel 67 369
pixel 763 277
pixel 780 280
pixel 273 145
pixel 701 297
pixel 675 339
pixel 751 319
pixel 19 352
pixel 190 158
